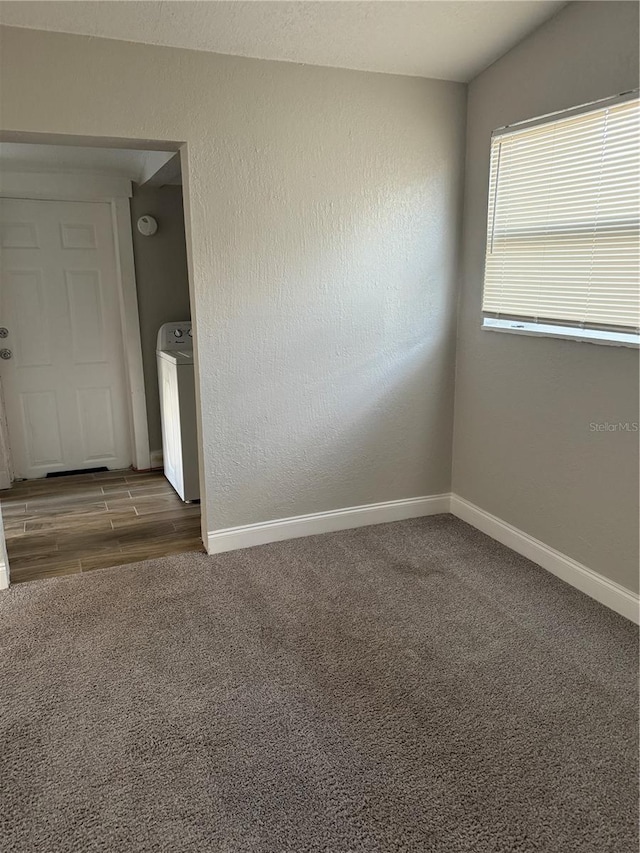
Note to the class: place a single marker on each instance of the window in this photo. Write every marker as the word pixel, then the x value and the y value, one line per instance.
pixel 563 243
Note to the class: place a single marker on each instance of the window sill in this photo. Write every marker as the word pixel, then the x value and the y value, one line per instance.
pixel 567 333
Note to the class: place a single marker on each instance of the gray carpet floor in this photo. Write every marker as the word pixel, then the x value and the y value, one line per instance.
pixel 406 687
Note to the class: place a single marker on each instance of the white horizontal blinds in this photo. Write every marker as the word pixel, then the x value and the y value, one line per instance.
pixel 563 238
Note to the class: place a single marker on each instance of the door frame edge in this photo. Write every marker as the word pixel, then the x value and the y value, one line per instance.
pixel 6 462
pixel 131 338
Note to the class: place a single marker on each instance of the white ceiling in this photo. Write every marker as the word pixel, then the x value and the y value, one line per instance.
pixel 137 166
pixel 445 40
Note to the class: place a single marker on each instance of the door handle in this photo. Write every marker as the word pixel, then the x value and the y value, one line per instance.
pixel 5 354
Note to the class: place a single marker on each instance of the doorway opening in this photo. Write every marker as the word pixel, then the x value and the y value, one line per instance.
pixel 94 263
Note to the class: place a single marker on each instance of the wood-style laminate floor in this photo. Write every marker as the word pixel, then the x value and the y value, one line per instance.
pixel 66 525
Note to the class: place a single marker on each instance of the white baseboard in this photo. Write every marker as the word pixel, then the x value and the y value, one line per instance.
pixel 607 592
pixel 4 562
pixel 323 522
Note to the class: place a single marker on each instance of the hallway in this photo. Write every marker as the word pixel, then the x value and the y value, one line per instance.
pixel 66 525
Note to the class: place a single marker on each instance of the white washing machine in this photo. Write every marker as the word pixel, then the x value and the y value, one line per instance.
pixel 174 354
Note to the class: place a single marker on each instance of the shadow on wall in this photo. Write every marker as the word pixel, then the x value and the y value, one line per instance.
pixel 374 330
pixel 162 282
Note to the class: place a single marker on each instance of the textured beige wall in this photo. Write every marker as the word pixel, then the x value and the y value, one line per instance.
pixel 524 449
pixel 324 211
pixel 162 282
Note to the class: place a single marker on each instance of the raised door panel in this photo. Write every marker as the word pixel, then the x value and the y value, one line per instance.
pixel 19 235
pixel 41 429
pixel 23 308
pixel 78 235
pixel 86 315
pixel 95 410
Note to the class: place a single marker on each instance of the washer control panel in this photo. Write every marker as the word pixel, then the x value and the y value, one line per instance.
pixel 175 336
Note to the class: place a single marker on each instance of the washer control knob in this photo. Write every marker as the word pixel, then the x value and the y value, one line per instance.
pixel 5 354
pixel 177 333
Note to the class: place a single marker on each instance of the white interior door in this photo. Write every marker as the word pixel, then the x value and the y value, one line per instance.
pixel 64 385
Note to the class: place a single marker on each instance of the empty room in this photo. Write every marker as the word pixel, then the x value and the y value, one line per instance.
pixel 319 421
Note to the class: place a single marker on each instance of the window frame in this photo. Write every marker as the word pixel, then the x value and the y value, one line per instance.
pixel 562 330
